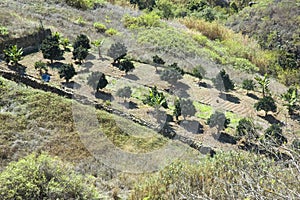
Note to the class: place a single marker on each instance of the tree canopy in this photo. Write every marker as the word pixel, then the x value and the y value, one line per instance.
pixel 67 71
pixel 51 49
pixel 97 80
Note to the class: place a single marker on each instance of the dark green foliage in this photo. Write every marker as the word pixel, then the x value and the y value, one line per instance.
pixel 39 65
pixel 177 110
pixel 166 8
pixel 198 72
pixel 50 48
pixel 187 107
pixel 13 54
pixel 177 68
pixel 155 98
pixel 97 80
pixel 158 60
pixel 44 177
pixel 82 40
pixel 264 84
pixel 274 135
pixel 144 4
pixel 117 51
pixel 219 120
pixel 222 81
pixel 267 104
pixel 248 85
pixel 80 53
pixel 291 98
pixel 67 71
pixel 171 76
pixel 246 129
pixel 124 92
pixel 125 65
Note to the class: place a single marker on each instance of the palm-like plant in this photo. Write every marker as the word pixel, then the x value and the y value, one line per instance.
pixel 155 99
pixel 13 54
pixel 290 98
pixel 264 84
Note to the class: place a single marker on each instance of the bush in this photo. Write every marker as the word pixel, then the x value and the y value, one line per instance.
pixel 44 177
pixel 126 65
pixel 155 98
pixel 111 31
pixel 145 20
pixel 67 71
pixel 85 4
pixel 274 136
pixel 158 60
pixel 267 104
pixel 100 27
pixel 51 48
pixel 13 54
pixel 246 129
pixel 248 85
pixel 82 40
pixel 3 31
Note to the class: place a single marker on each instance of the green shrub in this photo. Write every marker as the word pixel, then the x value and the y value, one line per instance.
pixel 230 175
pixel 3 31
pixel 44 177
pixel 85 4
pixel 143 21
pixel 111 31
pixel 100 27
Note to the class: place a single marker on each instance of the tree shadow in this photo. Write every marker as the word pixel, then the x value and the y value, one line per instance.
pixel 104 96
pixel 86 67
pixel 72 85
pixel 253 96
pixel 230 97
pixel 90 57
pixel 56 65
pixel 131 77
pixel 192 126
pixel 129 105
pixel 224 138
pixel 205 85
pixel 180 89
pixel 271 119
pixel 20 69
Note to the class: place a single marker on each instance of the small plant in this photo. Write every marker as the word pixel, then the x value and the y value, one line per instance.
pixel 80 21
pixel 80 53
pixel 111 31
pixel 246 129
pixel 67 71
pixel 264 84
pixel 143 21
pixel 291 97
pixel 82 40
pixel 100 27
pixel 13 54
pixel 41 66
pixel 274 136
pixel 3 31
pixel 51 48
pixel 155 99
pixel 177 110
pixel 98 44
pixel 267 104
pixel 126 65
pixel 177 68
pixel 248 85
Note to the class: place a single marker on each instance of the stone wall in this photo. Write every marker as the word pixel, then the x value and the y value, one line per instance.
pixel 29 43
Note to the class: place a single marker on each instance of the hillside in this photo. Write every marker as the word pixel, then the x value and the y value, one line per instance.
pixel 132 109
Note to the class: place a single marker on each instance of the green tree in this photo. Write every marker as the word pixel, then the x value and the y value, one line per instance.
pixel 50 48
pixel 157 61
pixel 177 110
pixel 197 73
pixel 41 66
pixel 177 68
pixel 67 71
pixel 155 98
pixel 187 108
pixel 124 92
pixel 80 53
pixel 44 177
pixel 267 104
pixel 219 120
pixel 97 80
pixel 126 65
pixel 248 85
pixel 274 136
pixel 117 51
pixel 246 129
pixel 264 84
pixel 291 98
pixel 82 40
pixel 223 82
pixel 13 54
